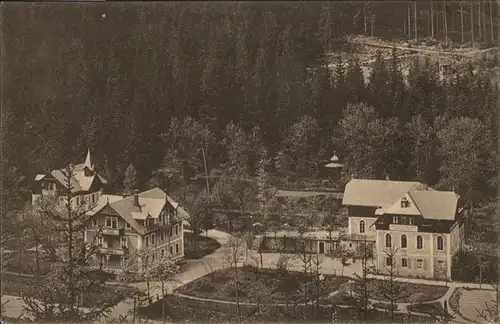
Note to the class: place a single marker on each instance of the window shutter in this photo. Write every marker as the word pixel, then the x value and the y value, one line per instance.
pixel 409 263
pixel 425 264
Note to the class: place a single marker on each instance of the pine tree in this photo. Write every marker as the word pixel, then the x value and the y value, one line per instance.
pixel 378 86
pixel 396 96
pixel 355 81
pixel 130 181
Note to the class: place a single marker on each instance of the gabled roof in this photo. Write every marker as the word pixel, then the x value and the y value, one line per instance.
pixel 376 193
pixel 412 208
pixel 79 181
pixel 151 204
pixel 437 205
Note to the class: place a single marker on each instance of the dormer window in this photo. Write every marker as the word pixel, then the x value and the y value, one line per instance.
pixel 404 202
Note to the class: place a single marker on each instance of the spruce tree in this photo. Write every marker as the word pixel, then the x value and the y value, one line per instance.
pixel 130 181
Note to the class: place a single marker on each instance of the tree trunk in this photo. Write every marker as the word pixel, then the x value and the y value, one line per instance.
pixel 445 22
pixel 472 21
pixel 462 20
pixel 479 20
pixel 135 310
pixel 237 291
pixel 491 21
pixel 149 296
pixel 432 18
pixel 163 301
pixel 415 18
pixel 483 18
pixel 409 20
pixel 373 23
pixel 364 15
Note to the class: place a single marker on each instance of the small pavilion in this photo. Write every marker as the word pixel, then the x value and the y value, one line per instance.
pixel 335 166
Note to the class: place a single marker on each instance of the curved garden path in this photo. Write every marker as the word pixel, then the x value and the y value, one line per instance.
pixel 194 269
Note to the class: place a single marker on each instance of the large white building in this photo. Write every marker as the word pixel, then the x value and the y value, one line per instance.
pixel 414 228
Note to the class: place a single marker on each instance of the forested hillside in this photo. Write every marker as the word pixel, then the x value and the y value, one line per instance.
pixel 146 87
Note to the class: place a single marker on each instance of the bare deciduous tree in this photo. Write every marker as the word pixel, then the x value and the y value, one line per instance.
pixel 389 288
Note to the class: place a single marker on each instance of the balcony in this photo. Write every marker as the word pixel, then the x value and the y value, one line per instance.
pixel 403 228
pixel 111 251
pixel 110 231
pixel 113 231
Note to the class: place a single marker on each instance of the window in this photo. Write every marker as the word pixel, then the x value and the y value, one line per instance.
pixel 440 263
pixel 362 226
pixel 388 261
pixel 94 222
pixel 127 226
pixel 395 220
pixel 77 200
pixel 420 242
pixel 404 262
pixel 388 241
pixel 176 229
pixel 153 238
pixel 161 237
pixel 176 248
pixel 153 257
pixel 147 240
pixel 171 249
pixel 114 222
pixel 440 243
pixel 162 252
pixel 404 202
pixel 403 241
pixel 99 240
pixel 108 221
pixel 420 263
pixel 124 242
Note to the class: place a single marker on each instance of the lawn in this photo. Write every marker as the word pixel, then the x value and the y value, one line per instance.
pixel 435 309
pixel 255 284
pixel 179 309
pixel 428 292
pixel 25 262
pixel 197 246
pixel 97 295
pixel 16 243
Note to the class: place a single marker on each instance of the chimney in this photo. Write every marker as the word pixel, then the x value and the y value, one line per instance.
pixel 136 197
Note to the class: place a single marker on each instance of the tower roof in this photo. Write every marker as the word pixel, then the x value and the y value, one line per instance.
pixel 334 157
pixel 88 162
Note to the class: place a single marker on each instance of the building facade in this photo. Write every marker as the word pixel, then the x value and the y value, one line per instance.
pixel 150 221
pixel 416 229
pixel 85 183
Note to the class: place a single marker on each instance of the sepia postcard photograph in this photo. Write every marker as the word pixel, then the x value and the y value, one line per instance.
pixel 250 162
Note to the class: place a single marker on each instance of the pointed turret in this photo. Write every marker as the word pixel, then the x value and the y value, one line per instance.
pixel 88 162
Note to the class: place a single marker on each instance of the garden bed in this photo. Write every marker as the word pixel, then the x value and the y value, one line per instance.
pixel 97 295
pixel 198 246
pixel 427 292
pixel 255 284
pixel 434 308
pixel 180 309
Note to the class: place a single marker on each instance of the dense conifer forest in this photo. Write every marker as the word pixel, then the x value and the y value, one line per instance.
pixel 151 88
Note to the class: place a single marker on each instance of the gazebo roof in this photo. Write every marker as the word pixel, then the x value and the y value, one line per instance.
pixel 334 165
